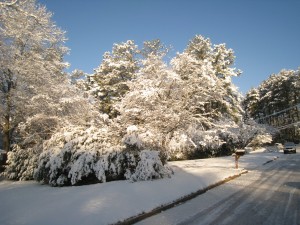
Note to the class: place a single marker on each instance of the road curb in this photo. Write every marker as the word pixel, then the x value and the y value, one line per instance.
pixel 179 201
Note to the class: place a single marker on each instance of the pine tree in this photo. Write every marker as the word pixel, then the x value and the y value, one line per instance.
pixel 251 103
pixel 111 77
pixel 207 72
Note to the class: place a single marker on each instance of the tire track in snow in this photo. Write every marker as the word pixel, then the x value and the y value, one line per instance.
pixel 261 201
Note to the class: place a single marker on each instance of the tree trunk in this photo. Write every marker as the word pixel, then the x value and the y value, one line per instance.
pixel 6 134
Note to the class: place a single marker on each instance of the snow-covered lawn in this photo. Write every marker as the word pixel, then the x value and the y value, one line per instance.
pixel 28 202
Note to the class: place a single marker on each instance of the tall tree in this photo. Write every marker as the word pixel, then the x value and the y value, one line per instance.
pixel 155 102
pixel 109 81
pixel 250 103
pixel 207 71
pixel 31 62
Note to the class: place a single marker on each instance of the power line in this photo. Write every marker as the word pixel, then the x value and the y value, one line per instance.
pixel 281 111
pixel 277 114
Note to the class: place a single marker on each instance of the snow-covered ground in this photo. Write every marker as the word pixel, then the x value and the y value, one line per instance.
pixel 28 202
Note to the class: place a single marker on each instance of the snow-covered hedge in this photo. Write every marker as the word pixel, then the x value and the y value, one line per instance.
pixel 77 156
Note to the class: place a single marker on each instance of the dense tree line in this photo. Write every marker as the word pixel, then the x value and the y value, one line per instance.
pixel 277 102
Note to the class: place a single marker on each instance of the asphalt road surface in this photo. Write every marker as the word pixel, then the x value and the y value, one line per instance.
pixel 268 195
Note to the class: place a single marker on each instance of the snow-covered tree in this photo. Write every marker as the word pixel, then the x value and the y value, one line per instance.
pixel 153 101
pixel 173 107
pixel 57 131
pixel 109 82
pixel 250 102
pixel 207 71
pixel 36 96
pixel 275 102
pixel 77 76
pixel 31 51
pixel 154 47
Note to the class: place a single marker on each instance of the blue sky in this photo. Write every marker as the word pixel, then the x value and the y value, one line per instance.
pixel 265 34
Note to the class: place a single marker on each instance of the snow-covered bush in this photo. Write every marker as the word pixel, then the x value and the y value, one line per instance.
pixel 194 143
pixel 71 155
pixel 21 163
pixel 261 140
pixel 79 155
pixel 189 143
pixel 24 156
pixel 131 139
pixel 71 166
pixel 179 146
pixel 222 140
pixel 149 167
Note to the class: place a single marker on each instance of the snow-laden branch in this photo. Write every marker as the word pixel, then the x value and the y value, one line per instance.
pixel 2 4
pixel 19 9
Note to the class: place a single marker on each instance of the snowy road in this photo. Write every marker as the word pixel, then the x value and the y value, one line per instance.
pixel 268 195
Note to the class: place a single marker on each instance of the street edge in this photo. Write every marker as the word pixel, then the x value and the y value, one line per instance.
pixel 179 201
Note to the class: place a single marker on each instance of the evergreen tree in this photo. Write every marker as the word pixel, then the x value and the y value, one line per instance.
pixel 251 103
pixel 110 78
pixel 276 102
